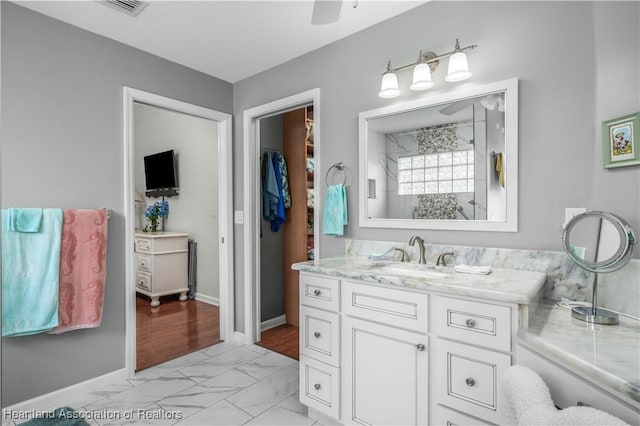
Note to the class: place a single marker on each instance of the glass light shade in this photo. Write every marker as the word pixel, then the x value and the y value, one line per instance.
pixel 458 68
pixel 489 102
pixel 421 77
pixel 389 87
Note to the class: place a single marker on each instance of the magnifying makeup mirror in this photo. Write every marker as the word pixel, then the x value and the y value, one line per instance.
pixel 597 242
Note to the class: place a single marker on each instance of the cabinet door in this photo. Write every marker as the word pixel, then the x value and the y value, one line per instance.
pixel 385 374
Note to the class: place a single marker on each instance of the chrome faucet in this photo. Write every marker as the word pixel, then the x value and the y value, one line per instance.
pixel 442 260
pixel 420 241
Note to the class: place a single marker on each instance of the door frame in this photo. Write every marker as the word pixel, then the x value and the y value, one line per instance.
pixel 251 142
pixel 225 212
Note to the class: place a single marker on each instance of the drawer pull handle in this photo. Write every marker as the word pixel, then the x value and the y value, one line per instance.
pixel 469 381
pixel 316 334
pixel 317 386
pixel 420 347
pixel 316 292
pixel 470 323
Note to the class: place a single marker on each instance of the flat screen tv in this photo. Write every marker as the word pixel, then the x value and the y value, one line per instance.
pixel 160 171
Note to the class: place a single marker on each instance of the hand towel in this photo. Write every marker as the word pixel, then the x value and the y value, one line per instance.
pixel 466 269
pixel 83 257
pixel 500 168
pixel 30 265
pixel 24 220
pixel 334 215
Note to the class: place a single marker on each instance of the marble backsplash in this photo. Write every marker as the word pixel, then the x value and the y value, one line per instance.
pixel 618 290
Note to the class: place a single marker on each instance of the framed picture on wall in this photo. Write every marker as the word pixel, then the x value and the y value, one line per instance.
pixel 620 141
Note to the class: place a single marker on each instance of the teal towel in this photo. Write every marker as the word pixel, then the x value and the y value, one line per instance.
pixel 25 220
pixel 334 215
pixel 30 276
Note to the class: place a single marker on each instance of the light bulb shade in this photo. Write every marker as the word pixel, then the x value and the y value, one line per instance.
pixel 389 87
pixel 500 104
pixel 421 77
pixel 489 102
pixel 458 68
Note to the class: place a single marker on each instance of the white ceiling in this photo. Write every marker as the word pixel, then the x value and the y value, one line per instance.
pixel 230 40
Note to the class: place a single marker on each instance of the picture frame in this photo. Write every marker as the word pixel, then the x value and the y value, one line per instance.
pixel 621 142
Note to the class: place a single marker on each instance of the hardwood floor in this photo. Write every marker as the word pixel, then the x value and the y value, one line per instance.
pixel 173 329
pixel 282 339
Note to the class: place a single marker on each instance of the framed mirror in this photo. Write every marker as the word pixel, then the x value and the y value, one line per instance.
pixel 444 162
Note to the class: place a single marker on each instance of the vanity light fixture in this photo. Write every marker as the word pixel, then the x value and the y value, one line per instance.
pixel 426 64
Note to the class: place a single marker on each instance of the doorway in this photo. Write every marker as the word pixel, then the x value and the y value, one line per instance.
pixel 212 209
pixel 253 120
pixel 287 223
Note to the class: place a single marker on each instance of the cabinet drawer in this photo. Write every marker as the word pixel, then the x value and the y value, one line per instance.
pixel 385 305
pixel 143 281
pixel 469 379
pixel 320 292
pixel 142 245
pixel 320 386
pixel 144 262
pixel 320 337
pixel 441 415
pixel 479 323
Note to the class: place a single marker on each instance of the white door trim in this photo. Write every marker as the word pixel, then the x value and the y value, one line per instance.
pixel 225 208
pixel 251 144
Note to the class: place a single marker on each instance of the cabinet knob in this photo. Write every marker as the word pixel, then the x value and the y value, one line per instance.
pixel 420 347
pixel 316 334
pixel 470 323
pixel 469 381
pixel 316 292
pixel 317 386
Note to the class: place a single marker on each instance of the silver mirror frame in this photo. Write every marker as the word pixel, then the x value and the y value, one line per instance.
pixel 623 254
pixel 510 87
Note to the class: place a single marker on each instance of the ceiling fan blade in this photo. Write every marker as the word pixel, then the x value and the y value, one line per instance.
pixel 326 11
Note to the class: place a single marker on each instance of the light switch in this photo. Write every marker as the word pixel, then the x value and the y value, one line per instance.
pixel 238 217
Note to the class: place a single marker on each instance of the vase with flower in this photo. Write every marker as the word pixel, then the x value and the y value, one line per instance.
pixel 154 213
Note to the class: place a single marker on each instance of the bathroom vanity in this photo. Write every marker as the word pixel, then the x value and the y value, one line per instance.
pixel 398 343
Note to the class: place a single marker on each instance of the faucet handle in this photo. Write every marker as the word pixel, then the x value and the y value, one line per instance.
pixel 405 255
pixel 442 258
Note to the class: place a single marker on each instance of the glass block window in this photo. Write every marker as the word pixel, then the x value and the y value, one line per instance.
pixel 441 173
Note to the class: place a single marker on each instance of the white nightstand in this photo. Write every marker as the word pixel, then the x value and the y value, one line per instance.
pixel 161 259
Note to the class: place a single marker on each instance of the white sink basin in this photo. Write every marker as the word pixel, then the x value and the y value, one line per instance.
pixel 412 271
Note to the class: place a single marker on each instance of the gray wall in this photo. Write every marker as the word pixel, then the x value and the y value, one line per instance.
pixel 272 243
pixel 577 62
pixel 62 147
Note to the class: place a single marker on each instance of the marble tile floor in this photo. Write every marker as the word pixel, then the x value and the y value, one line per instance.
pixel 224 384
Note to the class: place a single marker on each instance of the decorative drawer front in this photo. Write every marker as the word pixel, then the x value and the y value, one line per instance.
pixel 385 305
pixel 143 281
pixel 468 379
pixel 478 323
pixel 320 386
pixel 143 245
pixel 441 415
pixel 320 292
pixel 320 337
pixel 144 262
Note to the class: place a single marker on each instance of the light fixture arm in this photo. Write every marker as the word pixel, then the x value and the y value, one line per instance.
pixel 431 58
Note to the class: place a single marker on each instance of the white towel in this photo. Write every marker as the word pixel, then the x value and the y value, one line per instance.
pixel 467 269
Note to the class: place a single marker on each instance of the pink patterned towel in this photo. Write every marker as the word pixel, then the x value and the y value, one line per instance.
pixel 83 255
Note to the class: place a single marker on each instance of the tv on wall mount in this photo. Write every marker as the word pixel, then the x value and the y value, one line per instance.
pixel 160 173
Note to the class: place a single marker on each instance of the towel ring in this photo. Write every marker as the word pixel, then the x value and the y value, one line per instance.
pixel 338 166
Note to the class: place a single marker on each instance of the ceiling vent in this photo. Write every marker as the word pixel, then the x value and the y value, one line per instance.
pixel 130 7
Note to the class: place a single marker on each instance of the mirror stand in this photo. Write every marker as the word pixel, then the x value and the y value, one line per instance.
pixel 592 313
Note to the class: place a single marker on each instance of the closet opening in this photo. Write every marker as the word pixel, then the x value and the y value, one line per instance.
pixel 287 216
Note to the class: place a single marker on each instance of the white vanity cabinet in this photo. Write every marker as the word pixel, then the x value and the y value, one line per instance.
pixel 405 355
pixel 161 264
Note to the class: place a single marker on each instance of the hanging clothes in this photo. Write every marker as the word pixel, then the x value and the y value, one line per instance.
pixel 284 175
pixel 269 188
pixel 280 215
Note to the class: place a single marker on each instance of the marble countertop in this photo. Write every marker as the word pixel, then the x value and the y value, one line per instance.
pixel 605 354
pixel 501 285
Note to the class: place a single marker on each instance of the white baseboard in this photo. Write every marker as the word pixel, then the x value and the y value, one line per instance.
pixel 208 299
pixel 273 322
pixel 241 338
pixel 61 397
